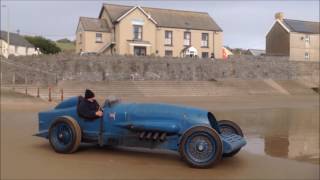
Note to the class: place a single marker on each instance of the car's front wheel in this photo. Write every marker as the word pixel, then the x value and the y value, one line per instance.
pixel 227 126
pixel 65 135
pixel 201 147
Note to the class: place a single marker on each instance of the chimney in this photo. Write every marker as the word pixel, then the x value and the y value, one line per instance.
pixel 279 16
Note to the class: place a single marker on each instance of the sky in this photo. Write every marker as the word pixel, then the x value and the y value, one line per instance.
pixel 244 23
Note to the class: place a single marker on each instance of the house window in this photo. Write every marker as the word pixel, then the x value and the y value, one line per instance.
pixel 307 39
pixel 168 52
pixel 205 55
pixel 204 40
pixel 137 32
pixel 187 38
pixel 98 38
pixel 168 38
pixel 306 56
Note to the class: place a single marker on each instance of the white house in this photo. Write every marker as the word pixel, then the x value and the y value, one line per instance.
pixel 18 45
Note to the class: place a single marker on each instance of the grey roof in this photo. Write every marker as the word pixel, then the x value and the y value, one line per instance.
pixel 116 11
pixel 94 24
pixel 302 26
pixel 15 39
pixel 168 17
pixel 256 52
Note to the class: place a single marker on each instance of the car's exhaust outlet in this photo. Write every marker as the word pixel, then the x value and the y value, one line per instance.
pixel 149 135
pixel 142 134
pixel 163 136
pixel 155 136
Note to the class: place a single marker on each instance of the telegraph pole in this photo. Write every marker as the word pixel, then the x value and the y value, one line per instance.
pixel 8 29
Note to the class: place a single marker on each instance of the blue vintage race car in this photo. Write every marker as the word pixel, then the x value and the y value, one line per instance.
pixel 200 139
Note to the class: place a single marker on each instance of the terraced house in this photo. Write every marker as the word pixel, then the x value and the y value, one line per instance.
pixel 135 30
pixel 13 44
pixel 299 40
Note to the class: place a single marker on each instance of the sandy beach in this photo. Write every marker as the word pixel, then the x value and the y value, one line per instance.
pixel 265 121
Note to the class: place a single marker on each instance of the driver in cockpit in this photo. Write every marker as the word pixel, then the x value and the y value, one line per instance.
pixel 89 107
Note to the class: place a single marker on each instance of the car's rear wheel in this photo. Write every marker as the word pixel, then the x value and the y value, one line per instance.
pixel 227 126
pixel 201 147
pixel 65 135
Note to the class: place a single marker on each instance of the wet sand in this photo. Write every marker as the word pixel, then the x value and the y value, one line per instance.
pixel 26 157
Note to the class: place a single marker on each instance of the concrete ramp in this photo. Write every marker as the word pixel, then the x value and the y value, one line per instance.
pixel 276 86
pixel 296 87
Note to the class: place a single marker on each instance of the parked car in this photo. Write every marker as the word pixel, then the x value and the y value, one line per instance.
pixel 88 53
pixel 195 133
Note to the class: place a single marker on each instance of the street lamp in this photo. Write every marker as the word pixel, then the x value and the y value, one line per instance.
pixel 8 30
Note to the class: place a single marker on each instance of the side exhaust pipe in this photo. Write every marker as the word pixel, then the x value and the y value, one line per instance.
pixel 155 136
pixel 163 136
pixel 149 135
pixel 142 134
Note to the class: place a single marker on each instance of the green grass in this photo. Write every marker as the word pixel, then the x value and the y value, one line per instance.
pixel 66 46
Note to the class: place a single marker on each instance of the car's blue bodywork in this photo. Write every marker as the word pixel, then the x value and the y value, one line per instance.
pixel 122 124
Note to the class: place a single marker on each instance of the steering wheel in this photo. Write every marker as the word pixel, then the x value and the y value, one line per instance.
pixel 108 102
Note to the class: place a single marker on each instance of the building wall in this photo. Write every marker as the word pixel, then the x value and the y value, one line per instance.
pixel 299 46
pixel 88 42
pixel 217 44
pixel 79 39
pixel 278 41
pixel 156 37
pixel 20 51
pixel 153 68
pixel 16 50
pixel 32 51
pixel 116 38
pixel 125 32
pixel 177 41
pixel 105 16
pixel 3 46
pixel 12 50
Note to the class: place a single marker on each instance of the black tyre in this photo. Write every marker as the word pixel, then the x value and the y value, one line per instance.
pixel 227 126
pixel 65 135
pixel 201 147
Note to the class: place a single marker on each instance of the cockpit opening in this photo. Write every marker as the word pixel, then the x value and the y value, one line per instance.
pixel 213 122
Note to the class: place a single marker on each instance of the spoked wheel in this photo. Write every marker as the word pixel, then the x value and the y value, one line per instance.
pixel 201 147
pixel 227 126
pixel 65 135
